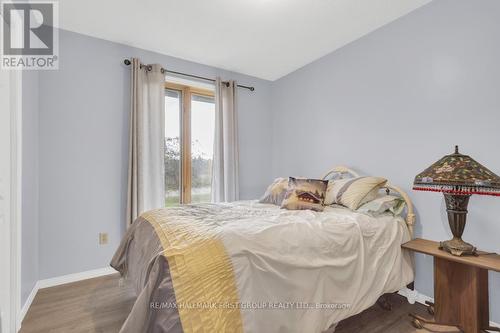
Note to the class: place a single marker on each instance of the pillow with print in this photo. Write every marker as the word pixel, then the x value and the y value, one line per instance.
pixel 305 194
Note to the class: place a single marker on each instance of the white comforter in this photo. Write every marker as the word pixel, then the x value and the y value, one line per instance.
pixel 302 271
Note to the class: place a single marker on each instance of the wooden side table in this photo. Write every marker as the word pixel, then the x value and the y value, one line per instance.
pixel 460 288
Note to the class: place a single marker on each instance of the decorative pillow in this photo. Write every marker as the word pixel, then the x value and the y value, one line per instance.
pixel 382 204
pixel 275 193
pixel 305 194
pixel 353 192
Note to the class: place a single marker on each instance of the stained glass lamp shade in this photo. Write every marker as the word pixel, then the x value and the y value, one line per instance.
pixel 458 177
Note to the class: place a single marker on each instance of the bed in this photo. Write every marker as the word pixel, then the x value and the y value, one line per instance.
pixel 251 267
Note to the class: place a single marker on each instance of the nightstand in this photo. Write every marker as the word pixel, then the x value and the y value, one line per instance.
pixel 460 288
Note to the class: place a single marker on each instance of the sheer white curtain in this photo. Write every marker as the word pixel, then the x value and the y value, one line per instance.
pixel 146 176
pixel 225 185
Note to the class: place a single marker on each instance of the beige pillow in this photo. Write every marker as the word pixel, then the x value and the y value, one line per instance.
pixel 305 194
pixel 275 193
pixel 353 192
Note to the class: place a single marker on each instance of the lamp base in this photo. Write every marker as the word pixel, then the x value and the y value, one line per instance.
pixel 458 247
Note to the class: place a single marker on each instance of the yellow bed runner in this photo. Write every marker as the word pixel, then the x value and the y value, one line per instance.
pixel 201 271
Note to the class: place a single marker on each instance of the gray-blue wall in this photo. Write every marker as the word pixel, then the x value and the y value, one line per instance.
pixel 84 111
pixel 394 102
pixel 29 200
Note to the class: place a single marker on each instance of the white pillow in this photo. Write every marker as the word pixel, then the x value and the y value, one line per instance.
pixel 275 193
pixel 383 203
pixel 353 192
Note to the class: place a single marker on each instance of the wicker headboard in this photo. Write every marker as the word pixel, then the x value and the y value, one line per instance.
pixel 342 172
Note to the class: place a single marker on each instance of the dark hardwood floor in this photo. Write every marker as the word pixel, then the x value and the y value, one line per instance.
pixel 101 305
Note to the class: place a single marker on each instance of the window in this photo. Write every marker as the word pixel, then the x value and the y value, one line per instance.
pixel 189 141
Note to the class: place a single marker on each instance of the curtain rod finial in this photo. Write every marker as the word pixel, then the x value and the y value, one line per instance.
pixel 126 62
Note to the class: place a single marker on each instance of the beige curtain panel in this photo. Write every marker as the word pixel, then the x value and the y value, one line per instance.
pixel 146 176
pixel 225 186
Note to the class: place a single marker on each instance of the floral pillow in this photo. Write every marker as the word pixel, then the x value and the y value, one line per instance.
pixel 305 194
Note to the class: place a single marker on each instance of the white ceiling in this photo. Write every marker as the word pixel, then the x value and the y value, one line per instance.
pixel 263 38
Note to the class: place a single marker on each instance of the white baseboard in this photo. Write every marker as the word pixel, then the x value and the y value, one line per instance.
pixel 58 280
pixel 27 304
pixel 414 296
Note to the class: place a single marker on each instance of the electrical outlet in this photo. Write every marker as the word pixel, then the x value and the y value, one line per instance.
pixel 103 238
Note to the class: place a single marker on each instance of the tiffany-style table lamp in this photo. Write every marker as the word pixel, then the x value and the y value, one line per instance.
pixel 458 177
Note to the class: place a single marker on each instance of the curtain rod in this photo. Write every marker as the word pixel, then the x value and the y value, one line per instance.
pixel 128 62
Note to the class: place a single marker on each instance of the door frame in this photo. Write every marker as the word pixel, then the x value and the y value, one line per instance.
pixel 10 199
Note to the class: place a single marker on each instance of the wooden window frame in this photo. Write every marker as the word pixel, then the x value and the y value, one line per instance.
pixel 185 134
